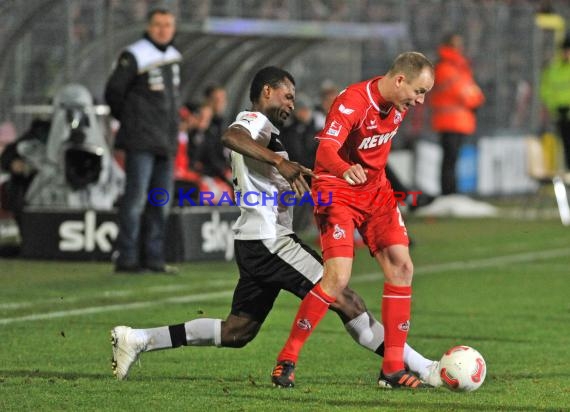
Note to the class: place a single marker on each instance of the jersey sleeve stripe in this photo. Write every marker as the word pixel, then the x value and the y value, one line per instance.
pixel 369 92
pixel 328 138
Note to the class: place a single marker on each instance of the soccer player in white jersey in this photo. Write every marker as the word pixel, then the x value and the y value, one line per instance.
pixel 270 257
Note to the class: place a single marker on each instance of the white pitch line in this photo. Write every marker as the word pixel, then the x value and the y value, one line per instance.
pixel 422 270
pixel 123 306
pixel 116 293
pixel 479 263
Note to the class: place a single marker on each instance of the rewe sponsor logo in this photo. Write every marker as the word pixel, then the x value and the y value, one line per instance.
pixel 376 140
pixel 76 235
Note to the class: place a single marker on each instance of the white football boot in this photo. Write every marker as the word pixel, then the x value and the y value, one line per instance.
pixel 431 375
pixel 127 347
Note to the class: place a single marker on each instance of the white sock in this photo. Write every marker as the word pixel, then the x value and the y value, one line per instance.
pixel 155 338
pixel 365 331
pixel 197 332
pixel 416 362
pixel 369 333
pixel 203 332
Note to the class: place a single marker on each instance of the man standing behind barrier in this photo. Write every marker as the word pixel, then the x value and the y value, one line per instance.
pixel 143 93
pixel 454 100
pixel 555 93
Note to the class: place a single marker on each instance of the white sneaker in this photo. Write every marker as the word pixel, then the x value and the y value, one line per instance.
pixel 126 349
pixel 431 375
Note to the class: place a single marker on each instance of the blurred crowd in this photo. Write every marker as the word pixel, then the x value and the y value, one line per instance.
pixel 202 162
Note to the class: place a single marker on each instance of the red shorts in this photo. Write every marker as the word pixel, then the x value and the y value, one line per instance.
pixel 374 214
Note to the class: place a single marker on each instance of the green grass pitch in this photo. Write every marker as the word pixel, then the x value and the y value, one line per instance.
pixel 499 285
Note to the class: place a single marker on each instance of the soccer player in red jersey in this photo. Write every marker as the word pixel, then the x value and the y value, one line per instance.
pixel 350 166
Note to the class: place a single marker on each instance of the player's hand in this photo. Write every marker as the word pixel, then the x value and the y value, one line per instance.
pixel 355 175
pixel 293 172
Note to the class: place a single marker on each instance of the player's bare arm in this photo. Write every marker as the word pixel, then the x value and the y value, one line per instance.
pixel 239 140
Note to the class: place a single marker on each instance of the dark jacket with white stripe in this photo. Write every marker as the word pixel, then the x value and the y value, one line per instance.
pixel 143 94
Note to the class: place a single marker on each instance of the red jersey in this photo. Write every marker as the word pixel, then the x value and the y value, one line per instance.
pixel 356 131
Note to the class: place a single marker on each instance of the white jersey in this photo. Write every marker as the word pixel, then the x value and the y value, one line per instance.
pixel 259 186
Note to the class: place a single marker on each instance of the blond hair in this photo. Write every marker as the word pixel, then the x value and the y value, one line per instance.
pixel 410 64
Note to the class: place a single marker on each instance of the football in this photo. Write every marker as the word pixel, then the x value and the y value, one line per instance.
pixel 462 369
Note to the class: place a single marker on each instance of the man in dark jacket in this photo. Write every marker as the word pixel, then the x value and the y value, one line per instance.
pixel 143 93
pixel 211 154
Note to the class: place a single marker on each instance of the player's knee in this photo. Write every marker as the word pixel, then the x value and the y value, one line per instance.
pixel 406 269
pixel 238 336
pixel 403 268
pixel 335 282
pixel 400 273
pixel 237 339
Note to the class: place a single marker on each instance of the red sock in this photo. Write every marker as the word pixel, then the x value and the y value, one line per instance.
pixel 396 308
pixel 312 310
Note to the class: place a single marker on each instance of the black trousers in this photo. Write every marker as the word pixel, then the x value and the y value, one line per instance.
pixel 450 143
pixel 564 130
pixel 395 181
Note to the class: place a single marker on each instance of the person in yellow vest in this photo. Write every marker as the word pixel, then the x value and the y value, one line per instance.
pixel 453 101
pixel 555 93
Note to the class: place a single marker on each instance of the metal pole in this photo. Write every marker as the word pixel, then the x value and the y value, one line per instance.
pixel 562 200
pixel 537 41
pixel 69 62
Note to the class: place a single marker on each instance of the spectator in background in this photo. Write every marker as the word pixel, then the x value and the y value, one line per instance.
pixel 197 135
pixel 298 136
pixel 192 125
pixel 555 93
pixel 211 157
pixel 328 93
pixel 454 99
pixel 210 154
pixel 190 122
pixel 143 94
pixel 215 96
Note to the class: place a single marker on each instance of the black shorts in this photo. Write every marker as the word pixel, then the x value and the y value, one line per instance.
pixel 269 265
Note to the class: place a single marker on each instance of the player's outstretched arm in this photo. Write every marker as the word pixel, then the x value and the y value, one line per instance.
pixel 239 140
